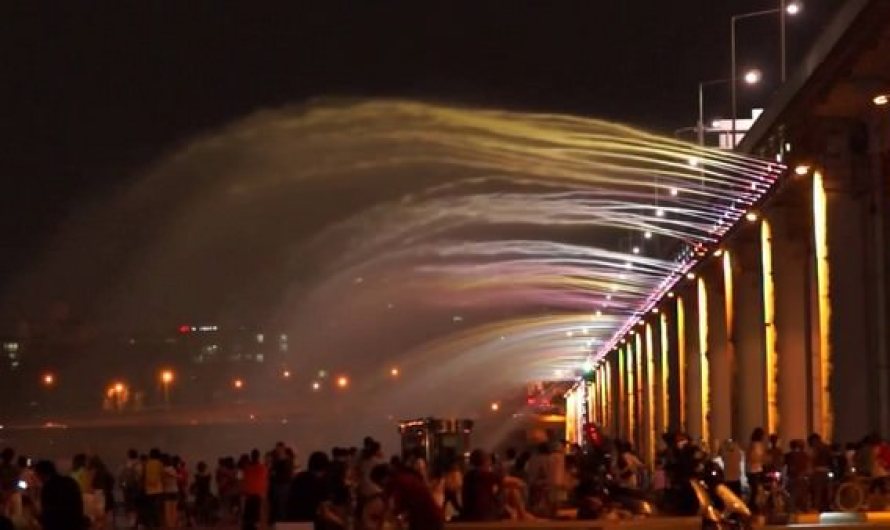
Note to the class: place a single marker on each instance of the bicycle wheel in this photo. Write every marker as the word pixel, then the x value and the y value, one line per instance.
pixel 849 497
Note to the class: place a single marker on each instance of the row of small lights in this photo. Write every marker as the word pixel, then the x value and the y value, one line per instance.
pixel 167 377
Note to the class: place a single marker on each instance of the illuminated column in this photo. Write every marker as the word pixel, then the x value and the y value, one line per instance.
pixel 621 394
pixel 630 390
pixel 719 347
pixel 790 262
pixel 664 393
pixel 821 314
pixel 770 360
pixel 692 347
pixel 639 434
pixel 650 392
pixel 749 403
pixel 676 366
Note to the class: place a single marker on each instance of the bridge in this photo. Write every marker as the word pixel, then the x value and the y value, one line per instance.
pixel 784 325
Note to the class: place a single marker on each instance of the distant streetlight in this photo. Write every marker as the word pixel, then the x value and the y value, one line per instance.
pixel 342 381
pixel 48 379
pixel 167 377
pixel 785 8
pixel 394 372
pixel 238 384
pixel 881 100
pixel 285 374
pixel 495 406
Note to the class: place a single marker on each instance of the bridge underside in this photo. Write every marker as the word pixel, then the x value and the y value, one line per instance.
pixel 785 327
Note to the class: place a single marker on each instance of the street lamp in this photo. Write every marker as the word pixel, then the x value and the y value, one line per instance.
pixel 238 384
pixel 785 8
pixel 48 379
pixel 167 377
pixel 751 77
pixel 342 381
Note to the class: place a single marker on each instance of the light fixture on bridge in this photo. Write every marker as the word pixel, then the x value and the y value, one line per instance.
pixel 671 294
pixel 674 192
pixel 655 310
pixel 718 252
pixel 794 8
pixel 751 216
pixel 659 212
pixel 636 250
pixel 690 275
pixel 881 100
pixel 647 234
pixel 801 169
pixel 752 77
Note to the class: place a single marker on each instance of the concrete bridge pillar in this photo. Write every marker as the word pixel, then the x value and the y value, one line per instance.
pixel 720 353
pixel 791 276
pixel 693 366
pixel 748 337
pixel 674 321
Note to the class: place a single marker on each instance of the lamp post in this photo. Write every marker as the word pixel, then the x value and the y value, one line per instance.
pixel 751 77
pixel 785 8
pixel 167 377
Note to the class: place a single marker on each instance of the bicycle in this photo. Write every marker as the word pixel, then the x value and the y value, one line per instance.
pixel 860 493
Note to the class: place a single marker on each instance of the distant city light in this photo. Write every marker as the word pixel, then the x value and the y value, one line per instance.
pixel 316 386
pixel 285 374
pixel 49 379
pixel 495 406
pixel 238 383
pixel 167 376
pixel 342 381
pixel 394 372
pixel 881 100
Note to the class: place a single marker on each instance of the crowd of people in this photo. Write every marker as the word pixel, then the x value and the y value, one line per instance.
pixel 344 489
pixel 360 489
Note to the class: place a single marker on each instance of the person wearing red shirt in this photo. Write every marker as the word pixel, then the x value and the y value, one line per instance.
pixel 253 487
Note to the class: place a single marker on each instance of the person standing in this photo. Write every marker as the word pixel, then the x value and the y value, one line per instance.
pixel 731 455
pixel 154 489
pixel 480 490
pixel 255 489
pixel 820 456
pixel 798 467
pixel 60 500
pixel 755 458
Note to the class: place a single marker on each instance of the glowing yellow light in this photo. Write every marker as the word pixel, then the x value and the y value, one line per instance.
pixel 651 432
pixel 665 371
pixel 769 316
pixel 881 100
pixel 718 252
pixel 342 381
pixel 119 388
pixel 681 359
pixel 285 374
pixel 704 367
pixel 48 379
pixel 751 217
pixel 690 275
pixel 801 169
pixel 823 277
pixel 728 292
pixel 794 8
pixel 671 294
pixel 495 406
pixel 394 372
pixel 167 376
pixel 238 383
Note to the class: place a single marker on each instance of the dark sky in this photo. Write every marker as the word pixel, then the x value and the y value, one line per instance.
pixel 93 92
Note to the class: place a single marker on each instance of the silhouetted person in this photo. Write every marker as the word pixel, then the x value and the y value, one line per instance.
pixel 309 490
pixel 410 497
pixel 61 500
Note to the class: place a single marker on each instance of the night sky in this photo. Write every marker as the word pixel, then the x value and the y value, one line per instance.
pixel 92 94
